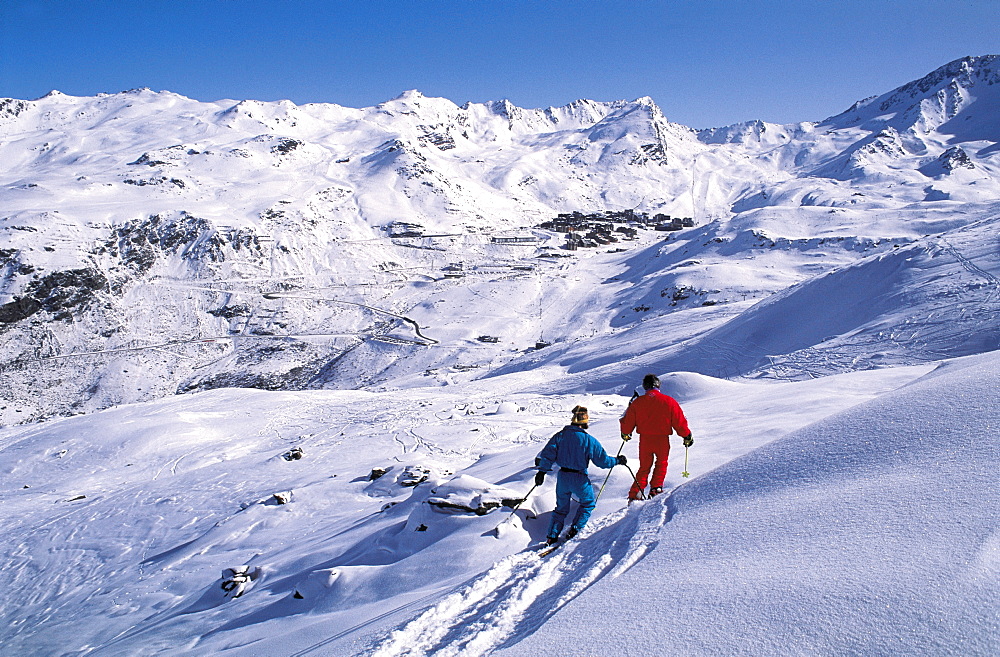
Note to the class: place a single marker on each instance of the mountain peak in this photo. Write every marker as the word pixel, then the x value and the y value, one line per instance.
pixel 944 91
pixel 966 71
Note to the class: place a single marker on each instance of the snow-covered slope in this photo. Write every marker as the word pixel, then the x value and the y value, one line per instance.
pixel 873 531
pixel 151 244
pixel 807 501
pixel 325 287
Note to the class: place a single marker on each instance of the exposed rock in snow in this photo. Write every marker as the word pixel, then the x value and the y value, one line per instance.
pixel 152 244
pixel 466 494
pixel 828 324
pixel 237 581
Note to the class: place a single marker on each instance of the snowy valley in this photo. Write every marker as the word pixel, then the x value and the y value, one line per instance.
pixel 274 373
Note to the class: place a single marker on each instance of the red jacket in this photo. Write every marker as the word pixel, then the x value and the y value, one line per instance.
pixel 655 414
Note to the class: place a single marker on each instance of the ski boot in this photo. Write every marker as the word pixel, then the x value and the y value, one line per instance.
pixel 571 533
pixel 654 491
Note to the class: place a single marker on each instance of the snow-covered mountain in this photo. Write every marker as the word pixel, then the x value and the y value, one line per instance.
pixel 343 293
pixel 144 230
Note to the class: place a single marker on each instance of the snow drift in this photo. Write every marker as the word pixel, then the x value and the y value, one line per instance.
pixel 274 375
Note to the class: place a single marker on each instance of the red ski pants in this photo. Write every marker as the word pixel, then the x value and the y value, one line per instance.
pixel 652 449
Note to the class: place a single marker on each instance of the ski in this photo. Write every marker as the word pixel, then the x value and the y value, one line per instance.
pixel 549 549
pixel 546 549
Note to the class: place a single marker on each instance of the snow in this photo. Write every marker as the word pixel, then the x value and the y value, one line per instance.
pixel 873 531
pixel 246 421
pixel 860 501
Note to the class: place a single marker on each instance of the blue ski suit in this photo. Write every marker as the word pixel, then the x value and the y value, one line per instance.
pixel 572 449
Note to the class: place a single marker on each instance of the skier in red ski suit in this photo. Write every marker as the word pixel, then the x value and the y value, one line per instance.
pixel 656 416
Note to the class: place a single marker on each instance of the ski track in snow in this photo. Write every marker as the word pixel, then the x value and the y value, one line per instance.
pixel 115 534
pixel 516 596
pixel 973 268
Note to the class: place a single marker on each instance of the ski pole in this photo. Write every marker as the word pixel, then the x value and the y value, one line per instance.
pixel 685 473
pixel 609 473
pixel 636 480
pixel 496 529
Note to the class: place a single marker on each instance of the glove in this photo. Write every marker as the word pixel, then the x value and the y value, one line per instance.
pixel 689 440
pixel 622 460
pixel 539 478
pixel 626 437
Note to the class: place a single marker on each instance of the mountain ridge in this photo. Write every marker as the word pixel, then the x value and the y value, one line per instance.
pixel 119 202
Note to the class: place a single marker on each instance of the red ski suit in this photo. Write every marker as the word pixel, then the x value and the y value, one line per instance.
pixel 656 416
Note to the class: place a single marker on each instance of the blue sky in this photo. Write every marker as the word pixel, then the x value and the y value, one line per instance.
pixel 705 62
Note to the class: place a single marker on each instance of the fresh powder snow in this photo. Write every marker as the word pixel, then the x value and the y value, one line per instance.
pixel 275 376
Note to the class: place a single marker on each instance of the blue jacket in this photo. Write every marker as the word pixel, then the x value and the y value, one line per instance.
pixel 573 448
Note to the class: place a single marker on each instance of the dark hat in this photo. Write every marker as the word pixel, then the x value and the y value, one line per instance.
pixel 650 381
pixel 580 417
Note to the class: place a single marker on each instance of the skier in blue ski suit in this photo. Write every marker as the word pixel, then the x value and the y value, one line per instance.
pixel 572 449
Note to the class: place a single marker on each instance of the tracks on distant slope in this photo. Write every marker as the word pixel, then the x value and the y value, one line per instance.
pixel 972 267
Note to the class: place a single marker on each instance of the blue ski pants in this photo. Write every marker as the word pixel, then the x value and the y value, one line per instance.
pixel 568 485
